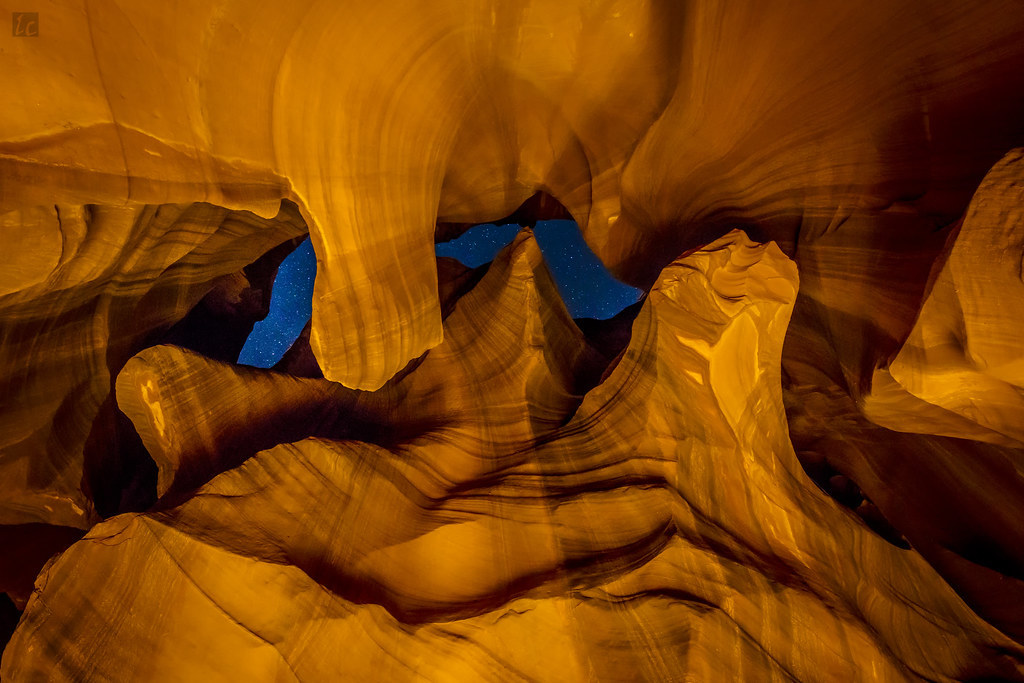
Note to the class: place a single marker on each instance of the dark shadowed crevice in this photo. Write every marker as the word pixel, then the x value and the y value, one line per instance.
pixel 610 336
pixel 35 544
pixel 9 617
pixel 119 475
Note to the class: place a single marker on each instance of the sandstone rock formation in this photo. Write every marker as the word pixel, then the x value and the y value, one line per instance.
pixel 961 370
pixel 480 547
pixel 885 108
pixel 768 477
pixel 94 284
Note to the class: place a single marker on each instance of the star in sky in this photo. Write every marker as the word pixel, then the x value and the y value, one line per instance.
pixel 586 286
pixel 291 305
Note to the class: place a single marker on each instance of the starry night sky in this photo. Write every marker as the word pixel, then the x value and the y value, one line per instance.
pixel 291 304
pixel 586 286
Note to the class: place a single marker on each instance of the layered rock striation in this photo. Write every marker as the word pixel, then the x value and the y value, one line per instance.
pixel 481 547
pixel 658 126
pixel 768 477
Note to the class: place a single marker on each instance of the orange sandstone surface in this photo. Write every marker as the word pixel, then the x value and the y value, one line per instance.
pixel 801 457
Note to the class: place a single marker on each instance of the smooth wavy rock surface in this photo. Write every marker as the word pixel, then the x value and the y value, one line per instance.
pixel 961 371
pixel 658 125
pixel 76 304
pixel 445 478
pixel 518 371
pixel 481 547
pixel 907 413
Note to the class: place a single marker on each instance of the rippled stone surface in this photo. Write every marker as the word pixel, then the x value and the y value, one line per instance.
pixel 481 547
pixel 659 126
pixel 448 476
pixel 961 370
pixel 117 275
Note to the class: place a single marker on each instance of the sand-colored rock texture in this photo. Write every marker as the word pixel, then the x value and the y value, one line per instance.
pixel 83 292
pixel 800 457
pixel 526 531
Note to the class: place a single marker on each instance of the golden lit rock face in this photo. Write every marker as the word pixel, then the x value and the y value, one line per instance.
pixel 481 549
pixel 649 122
pixel 267 103
pixel 961 369
pixel 813 477
pixel 77 303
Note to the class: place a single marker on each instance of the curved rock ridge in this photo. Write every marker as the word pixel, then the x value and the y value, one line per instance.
pixel 514 364
pixel 95 284
pixel 618 110
pixel 445 472
pixel 243 106
pixel 957 502
pixel 480 547
pixel 908 415
pixel 961 371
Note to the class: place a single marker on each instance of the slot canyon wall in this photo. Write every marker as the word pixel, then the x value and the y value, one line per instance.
pixel 799 457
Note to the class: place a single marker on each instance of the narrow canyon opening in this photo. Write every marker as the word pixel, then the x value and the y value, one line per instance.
pixel 291 305
pixel 587 288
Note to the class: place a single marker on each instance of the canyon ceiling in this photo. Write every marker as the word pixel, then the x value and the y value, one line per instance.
pixel 799 457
